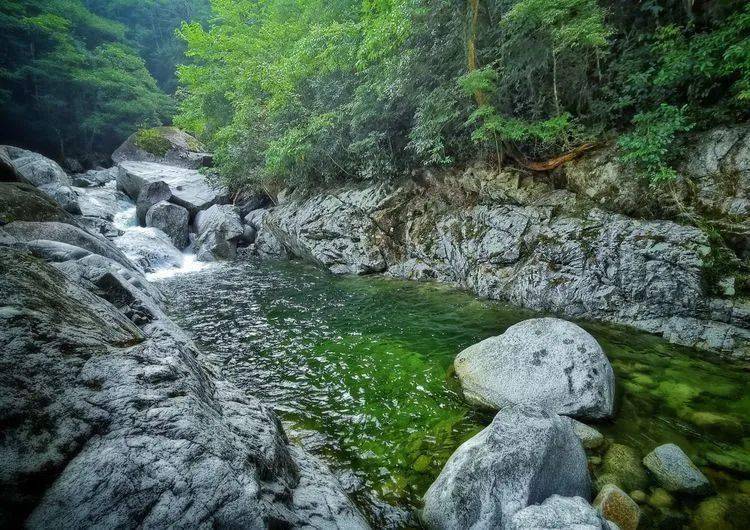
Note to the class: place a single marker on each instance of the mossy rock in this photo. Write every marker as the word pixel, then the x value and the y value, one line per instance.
pixel 677 394
pixel 625 464
pixel 152 141
pixel 22 202
pixel 723 512
pixel 661 498
pixel 166 145
pixel 616 506
pixel 737 459
pixel 716 422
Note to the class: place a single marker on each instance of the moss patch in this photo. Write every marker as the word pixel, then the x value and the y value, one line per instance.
pixel 152 141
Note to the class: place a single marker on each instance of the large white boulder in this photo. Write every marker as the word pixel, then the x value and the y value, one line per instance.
pixel 522 458
pixel 545 362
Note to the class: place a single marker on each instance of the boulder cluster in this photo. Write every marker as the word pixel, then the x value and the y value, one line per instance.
pixel 529 468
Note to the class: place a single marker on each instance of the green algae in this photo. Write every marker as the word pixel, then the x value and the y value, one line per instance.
pixel 365 365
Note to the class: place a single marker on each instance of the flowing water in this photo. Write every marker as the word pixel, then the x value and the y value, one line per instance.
pixel 359 371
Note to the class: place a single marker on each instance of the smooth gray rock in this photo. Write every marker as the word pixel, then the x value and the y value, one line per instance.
pixel 190 189
pixel 560 513
pixel 149 248
pixel 522 458
pixel 65 233
pixel 675 471
pixel 172 220
pixel 219 228
pixel 45 174
pixel 150 194
pixel 95 177
pixel 545 362
pixel 248 235
pixel 116 425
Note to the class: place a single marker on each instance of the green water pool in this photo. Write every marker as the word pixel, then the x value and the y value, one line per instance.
pixel 359 371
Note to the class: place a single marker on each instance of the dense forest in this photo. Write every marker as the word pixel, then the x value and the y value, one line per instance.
pixel 313 91
pixel 78 76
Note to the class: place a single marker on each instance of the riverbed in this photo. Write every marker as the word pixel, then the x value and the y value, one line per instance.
pixel 358 369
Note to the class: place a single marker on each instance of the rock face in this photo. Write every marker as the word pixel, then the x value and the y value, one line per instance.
pixel 172 220
pixel 22 202
pixel 219 229
pixel 522 458
pixel 45 174
pixel 544 362
pixel 110 418
pixel 149 248
pixel 334 230
pixel 516 238
pixel 166 145
pixel 675 472
pixel 189 187
pixel 560 512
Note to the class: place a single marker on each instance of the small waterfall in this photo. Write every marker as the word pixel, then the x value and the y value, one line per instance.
pixel 125 219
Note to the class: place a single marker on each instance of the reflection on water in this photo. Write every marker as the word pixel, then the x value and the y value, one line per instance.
pixel 358 370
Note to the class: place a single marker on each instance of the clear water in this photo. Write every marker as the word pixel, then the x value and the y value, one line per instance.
pixel 359 371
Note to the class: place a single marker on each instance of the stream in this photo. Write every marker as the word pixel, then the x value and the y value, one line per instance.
pixel 358 368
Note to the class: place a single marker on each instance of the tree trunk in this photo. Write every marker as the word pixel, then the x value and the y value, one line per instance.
pixel 471 46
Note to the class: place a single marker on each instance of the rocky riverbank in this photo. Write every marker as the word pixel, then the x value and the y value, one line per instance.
pixel 111 417
pixel 589 242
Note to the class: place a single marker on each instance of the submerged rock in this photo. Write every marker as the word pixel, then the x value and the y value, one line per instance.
pixel 618 507
pixel 172 220
pixel 544 362
pixel 523 457
pixel 675 472
pixel 560 513
pixel 219 229
pixel 623 464
pixel 149 248
pixel 590 437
